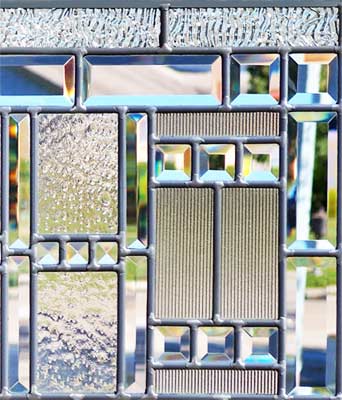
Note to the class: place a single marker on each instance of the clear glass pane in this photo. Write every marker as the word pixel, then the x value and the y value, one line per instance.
pixel 19 181
pixel 77 331
pixel 311 326
pixel 144 80
pixel 312 180
pixel 19 323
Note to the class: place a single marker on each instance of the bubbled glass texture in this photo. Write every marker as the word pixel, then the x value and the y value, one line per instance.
pixel 79 27
pixel 77 330
pixel 216 27
pixel 78 173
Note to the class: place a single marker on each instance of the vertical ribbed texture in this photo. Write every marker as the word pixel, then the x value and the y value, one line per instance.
pixel 184 253
pixel 215 381
pixel 249 256
pixel 218 124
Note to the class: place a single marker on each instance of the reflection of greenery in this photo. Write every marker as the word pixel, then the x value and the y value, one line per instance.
pixel 258 79
pixel 322 278
pixel 319 186
pixel 136 268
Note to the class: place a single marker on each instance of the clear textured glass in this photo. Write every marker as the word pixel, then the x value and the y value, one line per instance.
pixel 253 26
pixel 311 326
pixel 80 27
pixel 135 324
pixel 77 332
pixel 217 162
pixel 137 179
pixel 19 181
pixel 261 162
pixel 77 253
pixel 216 345
pixel 255 79
pixel 312 180
pixel 47 253
pixel 173 162
pixel 19 323
pixel 154 80
pixel 44 80
pixel 78 173
pixel 172 343
pixel 313 78
pixel 259 345
pixel 106 253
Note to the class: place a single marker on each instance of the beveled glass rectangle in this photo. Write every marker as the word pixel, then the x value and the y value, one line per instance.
pixel 37 80
pixel 152 80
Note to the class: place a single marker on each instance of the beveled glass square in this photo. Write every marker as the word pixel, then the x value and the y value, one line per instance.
pixel 172 344
pixel 313 78
pixel 259 345
pixel 77 253
pixel 255 79
pixel 217 162
pixel 106 253
pixel 261 162
pixel 48 253
pixel 216 345
pixel 173 162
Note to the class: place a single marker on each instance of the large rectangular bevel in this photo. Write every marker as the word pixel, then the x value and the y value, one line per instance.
pixel 184 253
pixel 249 253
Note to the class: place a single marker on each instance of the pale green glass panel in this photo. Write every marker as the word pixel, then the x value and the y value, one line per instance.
pixel 77 332
pixel 19 181
pixel 19 323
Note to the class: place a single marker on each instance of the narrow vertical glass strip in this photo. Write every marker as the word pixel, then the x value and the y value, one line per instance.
pixel 135 321
pixel 311 326
pixel 19 323
pixel 19 181
pixel 137 178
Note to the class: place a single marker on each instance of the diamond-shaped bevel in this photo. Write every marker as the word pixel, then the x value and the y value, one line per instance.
pixel 106 253
pixel 48 253
pixel 216 344
pixel 313 78
pixel 217 162
pixel 255 79
pixel 173 162
pixel 261 162
pixel 259 345
pixel 172 343
pixel 77 253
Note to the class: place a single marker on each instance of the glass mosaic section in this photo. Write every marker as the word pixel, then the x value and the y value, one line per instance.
pixel 173 162
pixel 216 345
pixel 155 80
pixel 37 80
pixel 19 323
pixel 255 79
pixel 77 332
pixel 259 346
pixel 19 181
pixel 311 326
pixel 80 27
pixel 313 78
pixel 172 344
pixel 312 180
pixel 137 179
pixel 135 324
pixel 78 173
pixel 250 27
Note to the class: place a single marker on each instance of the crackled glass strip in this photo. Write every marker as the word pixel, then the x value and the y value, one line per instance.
pixel 77 332
pixel 216 27
pixel 135 324
pixel 78 173
pixel 19 323
pixel 311 326
pixel 19 181
pixel 80 27
pixel 136 159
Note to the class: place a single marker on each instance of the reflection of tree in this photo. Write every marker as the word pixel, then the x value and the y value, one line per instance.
pixel 258 79
pixel 320 184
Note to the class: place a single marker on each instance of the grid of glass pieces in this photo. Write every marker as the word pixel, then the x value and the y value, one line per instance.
pixel 106 275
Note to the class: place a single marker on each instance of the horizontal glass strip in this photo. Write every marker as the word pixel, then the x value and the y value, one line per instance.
pixel 152 80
